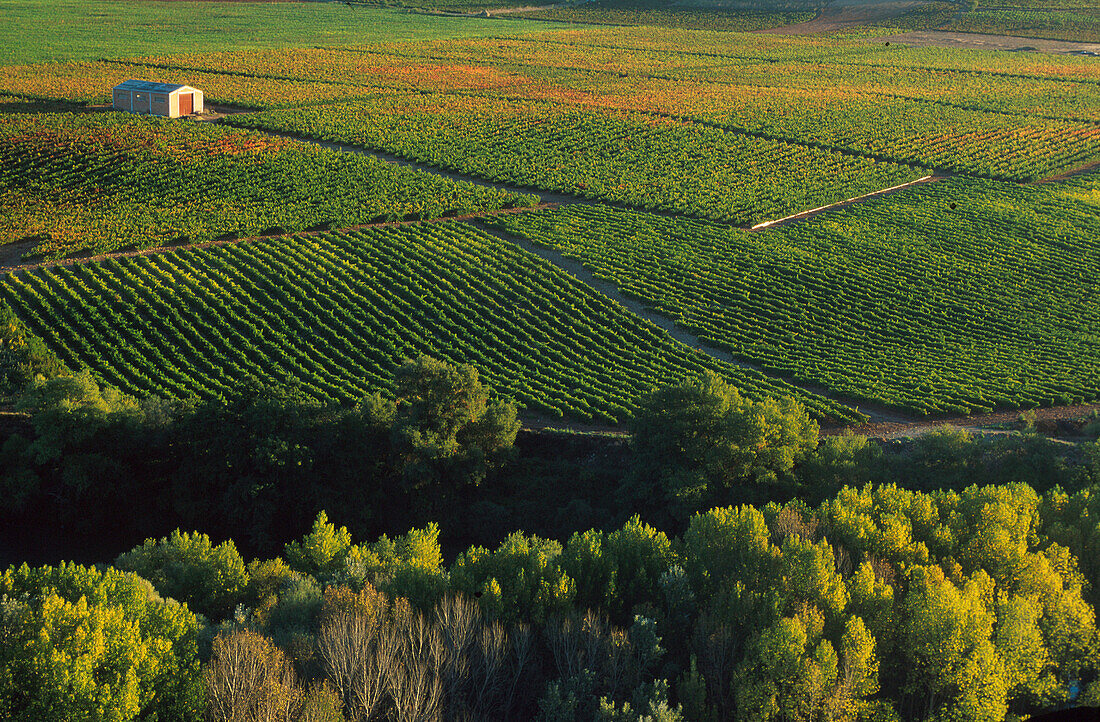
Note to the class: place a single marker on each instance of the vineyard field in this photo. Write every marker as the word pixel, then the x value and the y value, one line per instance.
pixel 634 159
pixel 694 18
pixel 958 296
pixel 335 315
pixel 1076 26
pixel 103 181
pixel 50 30
pixel 824 50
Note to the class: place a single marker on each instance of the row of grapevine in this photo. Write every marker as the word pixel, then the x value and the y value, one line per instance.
pixel 335 314
pixel 634 159
pixel 109 180
pixel 963 295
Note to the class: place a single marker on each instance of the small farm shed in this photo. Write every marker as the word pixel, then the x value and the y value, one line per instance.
pixel 171 101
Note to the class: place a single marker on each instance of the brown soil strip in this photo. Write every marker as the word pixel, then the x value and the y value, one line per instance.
pixel 977 423
pixel 977 41
pixel 841 16
pixel 1069 174
pixel 896 430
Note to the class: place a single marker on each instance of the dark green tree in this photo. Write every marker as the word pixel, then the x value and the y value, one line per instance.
pixel 695 441
pixel 444 426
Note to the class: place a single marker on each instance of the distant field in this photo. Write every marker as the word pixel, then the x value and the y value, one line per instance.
pixel 1074 25
pixel 635 159
pixel 696 18
pixel 45 30
pixel 102 181
pixel 336 314
pixel 962 295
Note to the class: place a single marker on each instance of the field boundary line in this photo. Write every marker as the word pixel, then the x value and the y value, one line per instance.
pixel 677 331
pixel 7 270
pixel 848 202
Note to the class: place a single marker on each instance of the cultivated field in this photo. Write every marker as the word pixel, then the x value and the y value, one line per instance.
pixel 654 150
pixel 335 314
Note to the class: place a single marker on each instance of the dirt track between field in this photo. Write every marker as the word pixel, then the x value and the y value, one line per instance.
pixel 993 423
pixel 846 14
pixel 938 176
pixel 974 422
pixel 976 41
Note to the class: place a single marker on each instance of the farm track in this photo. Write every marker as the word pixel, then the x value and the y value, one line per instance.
pixel 665 322
pixel 884 430
pixel 938 176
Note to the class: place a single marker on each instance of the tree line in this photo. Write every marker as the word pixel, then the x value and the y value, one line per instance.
pixel 763 572
pixel 880 603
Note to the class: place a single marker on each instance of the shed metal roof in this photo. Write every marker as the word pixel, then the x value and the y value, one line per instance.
pixel 148 87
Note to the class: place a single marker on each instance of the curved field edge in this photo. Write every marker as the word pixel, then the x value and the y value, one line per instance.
pixel 960 296
pixel 334 315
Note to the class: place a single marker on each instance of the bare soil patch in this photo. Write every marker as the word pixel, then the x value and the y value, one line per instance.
pixel 897 430
pixel 847 14
pixel 11 254
pixel 975 41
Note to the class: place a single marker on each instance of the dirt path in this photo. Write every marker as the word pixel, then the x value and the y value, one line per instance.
pixel 1069 174
pixel 975 422
pixel 976 41
pixel 636 307
pixel 937 176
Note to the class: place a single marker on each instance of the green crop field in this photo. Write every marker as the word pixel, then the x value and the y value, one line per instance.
pixel 103 181
pixel 1081 25
pixel 44 30
pixel 635 159
pixel 668 141
pixel 963 295
pixel 695 18
pixel 335 315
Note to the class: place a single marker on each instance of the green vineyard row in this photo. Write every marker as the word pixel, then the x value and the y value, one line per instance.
pixel 105 181
pixel 958 296
pixel 334 315
pixel 633 159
